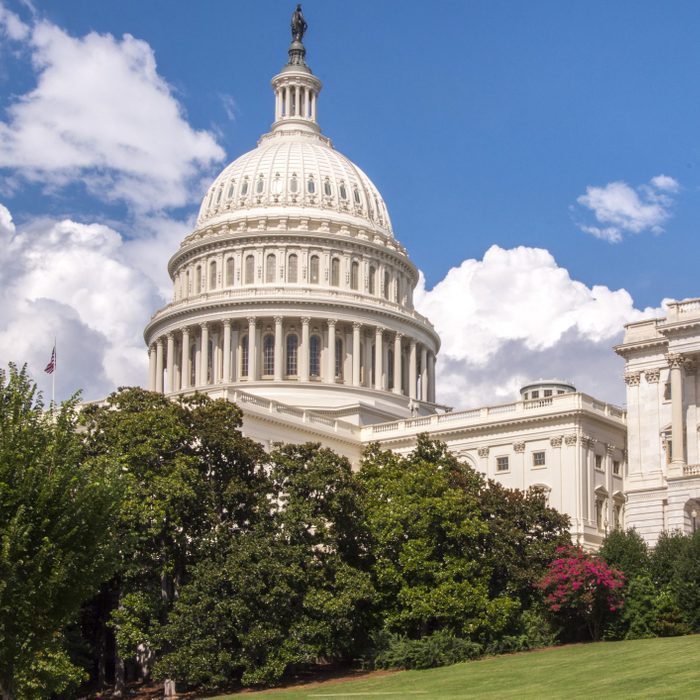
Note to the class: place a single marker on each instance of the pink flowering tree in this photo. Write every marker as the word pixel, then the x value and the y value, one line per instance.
pixel 580 589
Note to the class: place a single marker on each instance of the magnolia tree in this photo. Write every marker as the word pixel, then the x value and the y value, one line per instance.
pixel 581 590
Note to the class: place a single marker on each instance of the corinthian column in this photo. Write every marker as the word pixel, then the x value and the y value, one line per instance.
pixel 171 363
pixel 412 369
pixel 431 377
pixel 378 359
pixel 423 373
pixel 397 363
pixel 159 365
pixel 330 370
pixel 675 361
pixel 356 353
pixel 252 350
pixel 303 369
pixel 152 368
pixel 204 356
pixel 185 362
pixel 278 349
pixel 227 352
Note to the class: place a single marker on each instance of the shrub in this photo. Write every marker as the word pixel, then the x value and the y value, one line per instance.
pixel 438 649
pixel 626 551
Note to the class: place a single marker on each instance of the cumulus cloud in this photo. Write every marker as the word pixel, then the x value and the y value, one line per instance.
pixel 619 208
pixel 516 316
pixel 101 113
pixel 77 283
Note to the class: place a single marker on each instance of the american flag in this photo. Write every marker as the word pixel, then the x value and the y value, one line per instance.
pixel 49 369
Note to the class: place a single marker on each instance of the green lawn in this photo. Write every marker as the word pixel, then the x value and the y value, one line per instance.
pixel 647 668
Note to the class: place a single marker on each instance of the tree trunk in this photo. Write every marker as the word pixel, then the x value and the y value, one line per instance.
pixel 6 694
pixel 119 675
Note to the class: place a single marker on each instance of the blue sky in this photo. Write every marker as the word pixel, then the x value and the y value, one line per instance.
pixel 482 123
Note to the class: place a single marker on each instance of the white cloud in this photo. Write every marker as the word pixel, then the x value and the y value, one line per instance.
pixel 100 113
pixel 619 208
pixel 79 283
pixel 516 316
pixel 12 26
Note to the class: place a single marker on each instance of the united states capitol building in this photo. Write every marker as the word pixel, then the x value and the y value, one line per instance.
pixel 293 298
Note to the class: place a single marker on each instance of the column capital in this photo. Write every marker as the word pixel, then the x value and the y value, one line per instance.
pixel 356 325
pixel 278 319
pixel 675 359
pixel 331 322
pixel 305 320
pixel 652 375
pixel 379 331
pixel 170 335
pixel 252 320
pixel 398 335
pixel 632 378
pixel 414 342
pixel 227 323
pixel 204 325
pixel 159 341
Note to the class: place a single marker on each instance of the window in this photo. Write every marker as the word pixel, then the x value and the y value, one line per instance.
pixel 342 191
pixel 229 272
pixel 292 268
pixel 669 451
pixel 356 195
pixel 538 459
pixel 270 263
pixel 387 284
pixel 599 513
pixel 292 353
pixel 372 279
pixel 269 354
pixel 293 184
pixel 218 196
pixel 335 272
pixel 667 391
pixel 231 189
pixel 390 368
pixel 616 468
pixel 599 462
pixel 535 395
pixel 313 269
pixel 354 275
pixel 277 184
pixel 250 269
pixel 260 185
pixel 502 464
pixel 617 516
pixel 212 274
pixel 244 187
pixel 339 358
pixel 547 393
pixel 244 356
pixel 311 185
pixel 186 290
pixel 327 188
pixel 198 279
pixel 315 356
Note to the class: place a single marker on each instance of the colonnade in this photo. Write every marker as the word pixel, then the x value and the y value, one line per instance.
pixel 303 349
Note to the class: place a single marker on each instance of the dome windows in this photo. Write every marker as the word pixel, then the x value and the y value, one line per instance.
pixel 270 264
pixel 218 196
pixel 231 189
pixel 244 187
pixel 229 272
pixel 293 269
pixel 335 272
pixel 313 269
pixel 212 274
pixel 249 269
pixel 311 185
pixel 342 191
pixel 260 185
pixel 355 275
pixel 315 356
pixel 277 185
pixel 356 195
pixel 338 358
pixel 327 189
pixel 268 355
pixel 372 279
pixel 293 184
pixel 292 354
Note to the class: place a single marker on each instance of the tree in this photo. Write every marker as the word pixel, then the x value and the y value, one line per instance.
pixel 626 551
pixel 57 535
pixel 188 477
pixel 429 563
pixel 669 549
pixel 581 590
pixel 290 590
pixel 686 581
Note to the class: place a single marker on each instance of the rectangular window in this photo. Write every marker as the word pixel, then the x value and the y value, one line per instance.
pixel 501 464
pixel 616 468
pixel 547 392
pixel 667 391
pixel 599 462
pixel 535 394
pixel 538 459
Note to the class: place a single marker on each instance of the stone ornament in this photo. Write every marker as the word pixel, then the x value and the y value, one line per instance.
pixel 483 452
pixel 519 447
pixel 632 378
pixel 570 440
pixel 556 441
pixel 652 375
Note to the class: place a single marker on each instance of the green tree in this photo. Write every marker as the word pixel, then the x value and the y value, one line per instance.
pixel 626 551
pixel 686 581
pixel 292 589
pixel 429 563
pixel 669 549
pixel 188 478
pixel 57 535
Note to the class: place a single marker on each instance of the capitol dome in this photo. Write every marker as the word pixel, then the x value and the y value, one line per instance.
pixel 292 286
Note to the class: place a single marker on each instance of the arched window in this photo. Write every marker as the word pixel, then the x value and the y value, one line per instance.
pixel 211 198
pixel 327 190
pixel 390 368
pixel 293 268
pixel 315 356
pixel 387 284
pixel 356 195
pixel 218 196
pixel 313 269
pixel 229 272
pixel 244 187
pixel 372 279
pixel 186 290
pixel 293 184
pixel 212 274
pixel 277 184
pixel 193 365
pixel 269 354
pixel 210 362
pixel 339 358
pixel 231 189
pixel 250 269
pixel 311 185
pixel 198 279
pixel 292 352
pixel 270 267
pixel 335 272
pixel 244 356
pixel 260 185
pixel 343 191
pixel 354 275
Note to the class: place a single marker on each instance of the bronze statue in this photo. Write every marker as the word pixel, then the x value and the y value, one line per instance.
pixel 299 25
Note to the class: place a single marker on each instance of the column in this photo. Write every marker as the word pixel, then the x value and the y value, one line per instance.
pixel 185 362
pixel 279 338
pixel 204 356
pixel 287 104
pixel 675 361
pixel 227 352
pixel 423 373
pixel 397 363
pixel 330 370
pixel 252 350
pixel 159 365
pixel 378 357
pixel 297 96
pixel 431 377
pixel 152 368
pixel 356 353
pixel 412 370
pixel 303 369
pixel 171 363
pixel 235 368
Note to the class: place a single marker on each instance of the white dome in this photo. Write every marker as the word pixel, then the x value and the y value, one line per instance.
pixel 291 172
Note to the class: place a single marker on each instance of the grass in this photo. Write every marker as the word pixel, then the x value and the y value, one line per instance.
pixel 645 668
